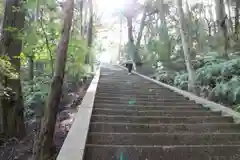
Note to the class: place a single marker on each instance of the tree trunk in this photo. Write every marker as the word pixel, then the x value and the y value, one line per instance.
pixel 139 37
pixel 221 23
pixel 85 19
pixel 89 32
pixel 129 14
pixel 130 29
pixel 237 17
pixel 230 23
pixel 164 36
pixel 220 12
pixel 1 117
pixel 131 46
pixel 31 70
pixel 37 10
pixel 30 57
pixel 212 22
pixel 44 143
pixel 183 30
pixel 120 38
pixel 12 47
pixel 81 16
pixel 189 32
pixel 2 3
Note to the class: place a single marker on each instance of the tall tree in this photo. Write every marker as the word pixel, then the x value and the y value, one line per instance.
pixel 186 49
pixel 44 143
pixel 89 31
pixel 31 55
pixel 142 24
pixel 164 37
pixel 11 46
pixel 221 23
pixel 230 22
pixel 81 3
pixel 129 14
pixel 120 37
pixel 237 17
pixel 131 45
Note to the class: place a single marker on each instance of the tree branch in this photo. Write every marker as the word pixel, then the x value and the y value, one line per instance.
pixel 47 42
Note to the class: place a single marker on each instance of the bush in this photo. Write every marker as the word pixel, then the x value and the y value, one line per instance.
pixel 220 77
pixel 229 92
pixel 181 81
pixel 6 70
pixel 166 77
pixel 35 93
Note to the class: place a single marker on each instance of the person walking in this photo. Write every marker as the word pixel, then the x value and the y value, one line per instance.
pixel 129 66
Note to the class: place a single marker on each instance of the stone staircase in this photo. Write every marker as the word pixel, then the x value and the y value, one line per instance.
pixel 135 119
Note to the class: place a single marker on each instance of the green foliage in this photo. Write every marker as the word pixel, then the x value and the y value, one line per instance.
pixel 6 70
pixel 165 76
pixel 35 93
pixel 229 91
pixel 220 77
pixel 181 81
pixel 1 7
pixel 40 41
pixel 76 54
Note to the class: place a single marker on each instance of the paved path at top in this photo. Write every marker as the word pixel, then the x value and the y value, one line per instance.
pixel 135 119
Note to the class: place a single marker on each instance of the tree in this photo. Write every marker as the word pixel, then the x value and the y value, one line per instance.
pixel 237 17
pixel 142 24
pixel 129 14
pixel 31 55
pixel 89 31
pixel 186 48
pixel 11 47
pixel 222 24
pixel 44 144
pixel 164 37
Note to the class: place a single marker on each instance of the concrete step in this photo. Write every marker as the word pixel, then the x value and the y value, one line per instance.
pixel 170 103
pixel 125 85
pixel 117 85
pixel 161 128
pixel 131 88
pixel 140 98
pixel 136 112
pixel 158 108
pixel 139 91
pixel 102 81
pixel 128 152
pixel 134 88
pixel 157 119
pixel 152 95
pixel 163 138
pixel 122 78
